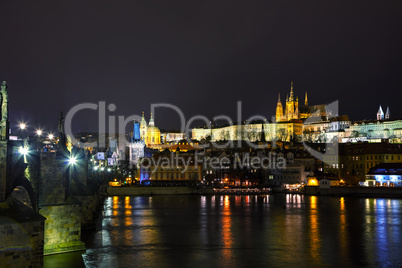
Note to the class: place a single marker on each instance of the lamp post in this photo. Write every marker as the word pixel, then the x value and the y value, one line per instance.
pixel 22 128
pixel 71 163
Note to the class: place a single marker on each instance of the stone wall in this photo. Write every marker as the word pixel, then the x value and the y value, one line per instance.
pixel 89 205
pixel 149 190
pixel 52 188
pixel 367 191
pixel 21 235
pixel 3 170
pixel 62 228
pixel 387 192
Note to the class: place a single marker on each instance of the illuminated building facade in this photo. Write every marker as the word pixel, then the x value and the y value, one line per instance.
pixel 136 146
pixel 149 133
pixel 288 125
pixel 171 168
pixel 356 159
pixel 385 175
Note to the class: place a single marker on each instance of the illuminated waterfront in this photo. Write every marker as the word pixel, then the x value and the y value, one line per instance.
pixel 223 231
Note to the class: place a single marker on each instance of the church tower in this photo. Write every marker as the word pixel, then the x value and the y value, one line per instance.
pixel 387 114
pixel 279 110
pixel 380 114
pixel 291 105
pixel 151 121
pixel 143 127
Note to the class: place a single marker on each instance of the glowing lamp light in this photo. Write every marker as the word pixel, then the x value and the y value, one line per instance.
pixel 108 170
pixel 72 161
pixel 24 151
pixel 23 126
pixel 38 132
pixel 51 136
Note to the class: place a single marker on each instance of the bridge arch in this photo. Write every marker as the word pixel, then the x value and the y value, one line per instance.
pixel 21 189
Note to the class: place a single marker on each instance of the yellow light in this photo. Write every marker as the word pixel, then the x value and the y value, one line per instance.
pixel 312 182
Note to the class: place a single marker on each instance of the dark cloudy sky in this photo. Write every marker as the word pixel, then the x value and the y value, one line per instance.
pixel 202 56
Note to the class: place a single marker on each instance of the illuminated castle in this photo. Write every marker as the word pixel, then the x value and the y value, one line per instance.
pixel 293 111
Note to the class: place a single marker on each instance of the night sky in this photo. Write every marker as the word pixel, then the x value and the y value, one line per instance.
pixel 202 56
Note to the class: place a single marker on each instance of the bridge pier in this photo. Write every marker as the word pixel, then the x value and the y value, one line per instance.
pixel 21 227
pixel 62 212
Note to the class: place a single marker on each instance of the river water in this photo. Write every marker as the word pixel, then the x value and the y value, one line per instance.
pixel 239 231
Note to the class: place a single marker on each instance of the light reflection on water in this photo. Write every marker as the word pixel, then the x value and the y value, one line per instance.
pixel 222 231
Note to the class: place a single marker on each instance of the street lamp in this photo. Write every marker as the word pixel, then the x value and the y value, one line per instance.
pixel 51 136
pixel 39 132
pixel 72 160
pixel 22 128
pixel 23 150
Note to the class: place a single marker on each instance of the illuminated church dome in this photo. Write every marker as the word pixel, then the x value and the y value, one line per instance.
pixel 153 134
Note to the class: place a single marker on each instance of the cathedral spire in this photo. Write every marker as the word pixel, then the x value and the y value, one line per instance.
pixel 291 87
pixel 291 98
pixel 279 110
pixel 305 100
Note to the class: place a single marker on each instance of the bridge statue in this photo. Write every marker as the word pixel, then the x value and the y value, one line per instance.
pixel 4 111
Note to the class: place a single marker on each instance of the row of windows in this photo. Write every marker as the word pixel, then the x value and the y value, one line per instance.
pixel 157 176
pixel 356 166
pixel 376 157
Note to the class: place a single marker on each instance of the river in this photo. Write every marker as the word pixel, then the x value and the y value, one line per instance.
pixel 239 231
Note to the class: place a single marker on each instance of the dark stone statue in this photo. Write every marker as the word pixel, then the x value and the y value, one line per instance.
pixel 62 149
pixel 4 102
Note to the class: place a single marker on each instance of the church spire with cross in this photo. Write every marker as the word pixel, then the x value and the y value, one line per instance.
pixel 305 100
